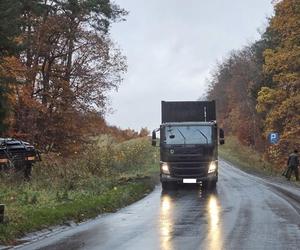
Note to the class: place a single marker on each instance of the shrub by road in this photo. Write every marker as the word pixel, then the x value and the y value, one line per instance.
pixel 103 178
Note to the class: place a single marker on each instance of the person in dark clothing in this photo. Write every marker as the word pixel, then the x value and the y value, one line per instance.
pixel 293 163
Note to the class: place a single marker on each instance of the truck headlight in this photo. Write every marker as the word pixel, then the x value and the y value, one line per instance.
pixel 165 168
pixel 3 160
pixel 212 167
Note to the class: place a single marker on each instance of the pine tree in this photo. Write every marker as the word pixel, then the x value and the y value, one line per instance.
pixel 9 30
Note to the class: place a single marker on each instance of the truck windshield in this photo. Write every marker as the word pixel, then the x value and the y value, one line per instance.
pixel 189 134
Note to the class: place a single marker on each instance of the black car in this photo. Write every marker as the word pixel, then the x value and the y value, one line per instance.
pixel 17 155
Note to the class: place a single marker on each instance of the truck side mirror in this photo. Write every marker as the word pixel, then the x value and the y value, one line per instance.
pixel 221 136
pixel 153 138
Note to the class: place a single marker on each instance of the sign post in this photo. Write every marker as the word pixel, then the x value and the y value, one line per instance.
pixel 273 137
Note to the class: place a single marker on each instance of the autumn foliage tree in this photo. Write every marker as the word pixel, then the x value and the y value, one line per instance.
pixel 258 88
pixel 280 103
pixel 70 64
pixel 232 87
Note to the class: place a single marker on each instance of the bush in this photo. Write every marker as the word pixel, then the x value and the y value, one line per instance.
pixel 61 188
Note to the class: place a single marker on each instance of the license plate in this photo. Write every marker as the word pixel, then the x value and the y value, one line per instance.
pixel 189 180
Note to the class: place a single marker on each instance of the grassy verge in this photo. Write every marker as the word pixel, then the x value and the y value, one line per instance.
pixel 249 160
pixel 104 178
pixel 245 157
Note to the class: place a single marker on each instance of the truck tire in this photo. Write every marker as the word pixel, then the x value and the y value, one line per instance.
pixel 209 185
pixel 167 186
pixel 213 185
pixel 204 184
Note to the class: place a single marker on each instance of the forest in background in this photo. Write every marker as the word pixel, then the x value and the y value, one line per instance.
pixel 57 63
pixel 257 88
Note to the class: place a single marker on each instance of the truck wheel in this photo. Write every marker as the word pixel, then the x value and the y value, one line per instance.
pixel 167 186
pixel 204 184
pixel 209 185
pixel 213 185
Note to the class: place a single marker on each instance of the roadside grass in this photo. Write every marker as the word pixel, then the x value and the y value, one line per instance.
pixel 103 178
pixel 245 157
pixel 250 160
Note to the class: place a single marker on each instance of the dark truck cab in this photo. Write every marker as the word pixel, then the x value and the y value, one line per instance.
pixel 17 155
pixel 189 138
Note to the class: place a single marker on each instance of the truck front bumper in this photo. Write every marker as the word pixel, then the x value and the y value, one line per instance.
pixel 179 180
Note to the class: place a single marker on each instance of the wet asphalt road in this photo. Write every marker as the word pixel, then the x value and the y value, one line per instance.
pixel 245 212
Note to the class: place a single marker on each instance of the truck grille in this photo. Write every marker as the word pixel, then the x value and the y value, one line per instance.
pixel 17 157
pixel 196 170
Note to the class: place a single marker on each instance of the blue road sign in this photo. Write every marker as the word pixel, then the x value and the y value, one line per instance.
pixel 273 137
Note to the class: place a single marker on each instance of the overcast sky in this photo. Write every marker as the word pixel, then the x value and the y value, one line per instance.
pixel 172 46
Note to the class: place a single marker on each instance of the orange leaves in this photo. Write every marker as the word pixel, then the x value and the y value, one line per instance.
pixel 66 66
pixel 281 60
pixel 11 67
pixel 275 84
pixel 280 103
pixel 286 22
pixel 268 97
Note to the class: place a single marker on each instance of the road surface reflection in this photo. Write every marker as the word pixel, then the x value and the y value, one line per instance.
pixel 166 222
pixel 214 225
pixel 190 213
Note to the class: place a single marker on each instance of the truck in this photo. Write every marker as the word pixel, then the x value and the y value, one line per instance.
pixel 17 155
pixel 189 138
